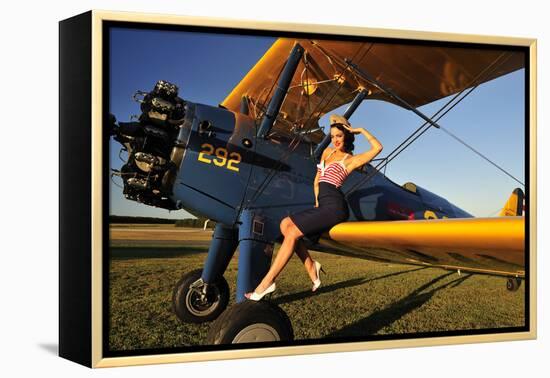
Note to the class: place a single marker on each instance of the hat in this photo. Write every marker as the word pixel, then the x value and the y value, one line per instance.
pixel 335 118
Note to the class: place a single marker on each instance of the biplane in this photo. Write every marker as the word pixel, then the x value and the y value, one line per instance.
pixel 251 161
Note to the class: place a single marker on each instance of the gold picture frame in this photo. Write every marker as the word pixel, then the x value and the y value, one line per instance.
pixel 82 246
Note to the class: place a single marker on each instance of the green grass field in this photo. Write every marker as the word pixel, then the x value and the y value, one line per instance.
pixel 357 298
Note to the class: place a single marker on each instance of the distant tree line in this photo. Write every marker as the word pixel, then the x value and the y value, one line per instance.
pixel 139 220
pixel 188 222
pixel 197 222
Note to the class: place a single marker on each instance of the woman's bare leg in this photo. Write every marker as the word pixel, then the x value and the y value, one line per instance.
pixel 291 234
pixel 304 255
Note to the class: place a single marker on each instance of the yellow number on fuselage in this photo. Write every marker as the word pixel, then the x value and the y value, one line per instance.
pixel 209 151
pixel 235 159
pixel 220 159
pixel 221 153
pixel 428 214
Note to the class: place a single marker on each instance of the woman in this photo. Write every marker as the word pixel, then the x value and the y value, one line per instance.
pixel 330 205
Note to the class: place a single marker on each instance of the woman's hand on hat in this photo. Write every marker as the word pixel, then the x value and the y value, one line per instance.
pixel 351 130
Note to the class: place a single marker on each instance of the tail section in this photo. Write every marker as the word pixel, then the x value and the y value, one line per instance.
pixel 514 205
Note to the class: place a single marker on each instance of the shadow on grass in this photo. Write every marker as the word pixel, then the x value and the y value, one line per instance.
pixel 125 253
pixel 341 285
pixel 378 320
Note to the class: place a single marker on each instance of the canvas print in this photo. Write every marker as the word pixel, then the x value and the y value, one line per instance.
pixel 270 189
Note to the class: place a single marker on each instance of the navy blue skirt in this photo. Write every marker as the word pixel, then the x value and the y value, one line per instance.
pixel 332 210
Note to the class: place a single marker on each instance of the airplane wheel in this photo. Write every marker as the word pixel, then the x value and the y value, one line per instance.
pixel 251 322
pixel 192 304
pixel 513 284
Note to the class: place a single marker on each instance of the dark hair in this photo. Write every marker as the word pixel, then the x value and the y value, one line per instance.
pixel 349 138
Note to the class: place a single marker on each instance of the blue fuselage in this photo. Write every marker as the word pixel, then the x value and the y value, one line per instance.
pixel 226 169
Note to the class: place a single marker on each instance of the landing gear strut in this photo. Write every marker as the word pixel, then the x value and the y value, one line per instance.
pixel 202 295
pixel 249 321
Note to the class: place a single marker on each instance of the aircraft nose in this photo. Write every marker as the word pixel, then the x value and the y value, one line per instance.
pixel 154 145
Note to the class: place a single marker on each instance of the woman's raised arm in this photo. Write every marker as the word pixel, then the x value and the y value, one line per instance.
pixel 358 160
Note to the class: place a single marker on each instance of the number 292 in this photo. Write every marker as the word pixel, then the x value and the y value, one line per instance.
pixel 221 157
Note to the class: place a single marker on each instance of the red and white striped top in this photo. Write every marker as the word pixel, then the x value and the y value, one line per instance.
pixel 334 173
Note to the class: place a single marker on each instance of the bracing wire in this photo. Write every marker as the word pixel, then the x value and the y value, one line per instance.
pixel 296 139
pixel 413 137
pixel 426 125
pixel 408 141
pixel 481 155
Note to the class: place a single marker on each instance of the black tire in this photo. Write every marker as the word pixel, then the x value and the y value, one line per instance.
pixel 513 284
pixel 250 322
pixel 187 304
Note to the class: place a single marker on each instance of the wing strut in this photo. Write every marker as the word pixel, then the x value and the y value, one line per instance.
pixel 378 85
pixel 281 90
pixel 295 141
pixel 428 121
pixel 349 112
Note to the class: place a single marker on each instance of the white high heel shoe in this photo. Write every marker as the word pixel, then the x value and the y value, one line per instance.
pixel 256 297
pixel 317 282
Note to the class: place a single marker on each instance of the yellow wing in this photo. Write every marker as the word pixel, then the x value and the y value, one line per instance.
pixel 492 245
pixel 419 74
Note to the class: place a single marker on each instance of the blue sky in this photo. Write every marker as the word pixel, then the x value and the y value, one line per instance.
pixel 206 67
